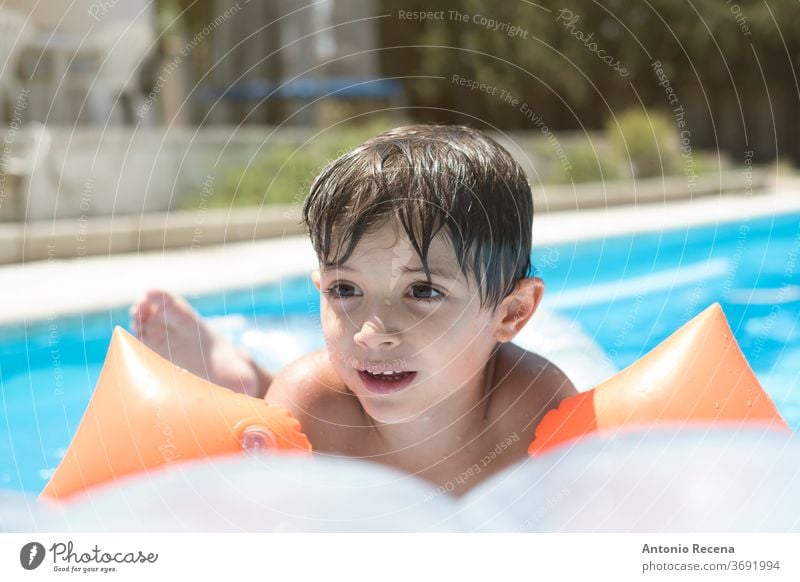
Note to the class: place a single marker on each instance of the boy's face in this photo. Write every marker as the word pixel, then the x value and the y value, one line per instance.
pixel 380 314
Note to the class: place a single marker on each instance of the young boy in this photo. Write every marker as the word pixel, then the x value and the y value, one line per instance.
pixel 423 235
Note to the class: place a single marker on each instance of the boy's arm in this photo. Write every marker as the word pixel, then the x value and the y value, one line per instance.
pixel 533 384
pixel 297 389
pixel 313 393
pixel 264 381
pixel 263 376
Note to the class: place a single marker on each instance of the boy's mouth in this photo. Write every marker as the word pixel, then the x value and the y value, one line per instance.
pixel 386 382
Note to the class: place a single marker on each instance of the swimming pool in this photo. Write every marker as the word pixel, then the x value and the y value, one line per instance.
pixel 627 292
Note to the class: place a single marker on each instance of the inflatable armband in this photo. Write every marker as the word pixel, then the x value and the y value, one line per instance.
pixel 697 375
pixel 146 412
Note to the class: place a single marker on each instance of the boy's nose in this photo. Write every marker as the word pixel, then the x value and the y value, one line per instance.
pixel 372 335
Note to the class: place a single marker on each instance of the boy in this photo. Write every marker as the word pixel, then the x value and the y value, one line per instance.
pixel 423 235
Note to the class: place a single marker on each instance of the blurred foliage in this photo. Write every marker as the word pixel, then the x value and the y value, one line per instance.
pixel 283 173
pixel 184 16
pixel 180 20
pixel 647 141
pixel 589 162
pixel 635 144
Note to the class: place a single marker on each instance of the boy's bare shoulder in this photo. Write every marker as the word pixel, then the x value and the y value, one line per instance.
pixel 527 386
pixel 315 394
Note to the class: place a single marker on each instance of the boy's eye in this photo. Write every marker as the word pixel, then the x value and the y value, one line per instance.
pixel 425 293
pixel 342 291
pixel 420 292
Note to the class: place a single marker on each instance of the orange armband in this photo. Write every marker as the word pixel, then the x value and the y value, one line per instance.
pixel 697 376
pixel 146 412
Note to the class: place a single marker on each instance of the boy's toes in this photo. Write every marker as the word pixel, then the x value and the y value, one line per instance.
pixel 160 299
pixel 147 311
pixel 139 314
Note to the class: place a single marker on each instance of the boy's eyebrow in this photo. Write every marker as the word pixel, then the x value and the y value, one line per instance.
pixel 432 270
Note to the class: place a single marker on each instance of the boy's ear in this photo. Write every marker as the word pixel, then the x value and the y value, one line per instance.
pixel 516 309
pixel 316 277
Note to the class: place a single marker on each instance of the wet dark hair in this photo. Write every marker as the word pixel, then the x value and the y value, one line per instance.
pixel 431 178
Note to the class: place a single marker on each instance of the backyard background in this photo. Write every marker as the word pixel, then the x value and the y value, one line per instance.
pixel 158 113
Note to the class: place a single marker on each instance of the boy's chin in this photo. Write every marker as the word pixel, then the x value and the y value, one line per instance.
pixel 391 414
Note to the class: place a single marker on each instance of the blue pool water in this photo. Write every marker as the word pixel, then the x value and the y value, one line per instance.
pixel 629 293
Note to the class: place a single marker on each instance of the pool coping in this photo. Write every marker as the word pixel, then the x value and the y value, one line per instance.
pixel 583 225
pixel 84 236
pixel 38 291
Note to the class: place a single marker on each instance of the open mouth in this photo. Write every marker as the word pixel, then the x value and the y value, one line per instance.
pixel 386 382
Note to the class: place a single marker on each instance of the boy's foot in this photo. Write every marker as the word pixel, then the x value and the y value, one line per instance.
pixel 168 325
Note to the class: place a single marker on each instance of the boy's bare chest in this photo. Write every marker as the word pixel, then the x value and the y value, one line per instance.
pixel 456 472
pixel 452 466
